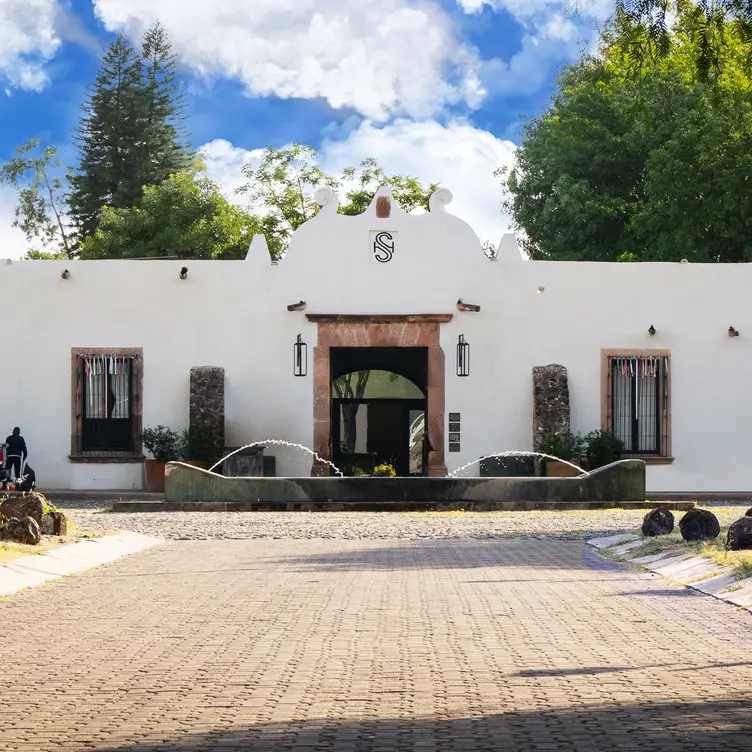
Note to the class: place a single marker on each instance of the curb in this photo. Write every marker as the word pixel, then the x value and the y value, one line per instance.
pixel 696 572
pixel 32 571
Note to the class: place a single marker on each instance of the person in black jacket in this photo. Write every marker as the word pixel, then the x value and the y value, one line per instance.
pixel 16 449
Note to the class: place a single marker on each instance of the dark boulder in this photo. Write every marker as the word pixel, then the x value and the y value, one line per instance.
pixel 30 505
pixel 659 521
pixel 699 525
pixel 54 523
pixel 748 513
pixel 24 530
pixel 739 536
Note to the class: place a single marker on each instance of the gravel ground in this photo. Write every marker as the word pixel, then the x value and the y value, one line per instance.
pixel 369 525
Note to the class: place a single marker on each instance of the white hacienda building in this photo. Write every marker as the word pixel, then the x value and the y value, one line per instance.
pixel 94 355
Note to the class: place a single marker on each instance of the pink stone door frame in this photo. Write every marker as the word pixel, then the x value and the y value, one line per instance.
pixel 412 330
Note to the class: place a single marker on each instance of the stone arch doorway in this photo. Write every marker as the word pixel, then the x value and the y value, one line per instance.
pixel 373 336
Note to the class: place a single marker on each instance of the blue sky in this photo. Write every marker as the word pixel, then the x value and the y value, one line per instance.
pixel 434 88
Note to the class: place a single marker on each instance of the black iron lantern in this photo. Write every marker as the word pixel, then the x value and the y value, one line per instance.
pixel 463 357
pixel 300 357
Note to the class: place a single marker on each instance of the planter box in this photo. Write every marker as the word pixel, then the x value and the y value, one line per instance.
pixel 155 476
pixel 560 470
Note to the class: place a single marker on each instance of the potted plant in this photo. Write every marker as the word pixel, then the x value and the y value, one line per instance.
pixel 564 446
pixel 164 445
pixel 602 448
pixel 384 471
pixel 198 447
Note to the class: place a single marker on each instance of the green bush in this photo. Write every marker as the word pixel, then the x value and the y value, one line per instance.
pixel 564 446
pixel 162 442
pixel 602 448
pixel 197 443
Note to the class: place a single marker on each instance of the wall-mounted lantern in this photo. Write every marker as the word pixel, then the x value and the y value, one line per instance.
pixel 300 357
pixel 463 357
pixel 733 332
pixel 651 331
pixel 184 273
pixel 65 274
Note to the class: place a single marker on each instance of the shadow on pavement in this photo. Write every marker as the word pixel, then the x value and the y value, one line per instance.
pixel 659 727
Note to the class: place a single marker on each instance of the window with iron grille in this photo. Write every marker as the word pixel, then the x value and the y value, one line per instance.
pixel 637 401
pixel 107 404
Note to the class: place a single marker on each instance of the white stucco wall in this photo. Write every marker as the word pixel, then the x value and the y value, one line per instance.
pixel 233 314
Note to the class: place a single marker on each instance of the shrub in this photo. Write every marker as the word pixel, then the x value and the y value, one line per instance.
pixel 564 446
pixel 603 448
pixel 197 443
pixel 384 470
pixel 162 442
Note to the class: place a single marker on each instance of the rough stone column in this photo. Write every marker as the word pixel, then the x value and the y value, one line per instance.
pixel 550 401
pixel 207 402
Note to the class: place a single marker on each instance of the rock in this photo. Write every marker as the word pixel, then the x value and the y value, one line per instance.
pixel 207 402
pixel 550 401
pixel 30 505
pixel 54 523
pixel 748 513
pixel 659 521
pixel 24 530
pixel 699 525
pixel 739 536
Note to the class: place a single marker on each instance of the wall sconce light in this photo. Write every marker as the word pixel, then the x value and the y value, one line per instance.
pixel 300 357
pixel 539 290
pixel 463 356
pixel 467 307
pixel 733 332
pixel 65 274
pixel 184 273
pixel 297 306
pixel 651 331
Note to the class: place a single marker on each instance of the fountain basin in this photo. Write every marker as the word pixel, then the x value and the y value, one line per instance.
pixel 193 489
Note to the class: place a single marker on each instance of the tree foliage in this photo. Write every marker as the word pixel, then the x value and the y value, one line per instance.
pixel 655 167
pixel 128 136
pixel 643 31
pixel 283 184
pixel 36 175
pixel 186 216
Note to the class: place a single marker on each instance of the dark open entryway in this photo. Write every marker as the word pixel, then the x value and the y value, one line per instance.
pixel 379 409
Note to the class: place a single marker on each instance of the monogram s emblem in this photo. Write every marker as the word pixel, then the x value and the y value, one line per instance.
pixel 383 247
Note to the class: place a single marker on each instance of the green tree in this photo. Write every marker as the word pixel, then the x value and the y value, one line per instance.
pixel 186 216
pixel 655 167
pixel 35 173
pixel 286 179
pixel 128 136
pixel 643 30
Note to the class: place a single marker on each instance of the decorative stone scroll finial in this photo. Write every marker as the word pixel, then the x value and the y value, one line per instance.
pixel 327 199
pixel 439 200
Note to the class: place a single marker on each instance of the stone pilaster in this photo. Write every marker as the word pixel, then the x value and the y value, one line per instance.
pixel 207 402
pixel 550 401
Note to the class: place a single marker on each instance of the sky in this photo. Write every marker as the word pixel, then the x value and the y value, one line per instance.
pixel 437 89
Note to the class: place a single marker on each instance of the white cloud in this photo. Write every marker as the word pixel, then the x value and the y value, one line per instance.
pixel 458 155
pixel 27 41
pixel 382 59
pixel 13 243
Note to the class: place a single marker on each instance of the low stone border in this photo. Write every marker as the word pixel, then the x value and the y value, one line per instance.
pixel 696 572
pixel 31 571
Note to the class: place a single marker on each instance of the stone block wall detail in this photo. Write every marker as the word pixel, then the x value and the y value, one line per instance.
pixel 207 401
pixel 550 401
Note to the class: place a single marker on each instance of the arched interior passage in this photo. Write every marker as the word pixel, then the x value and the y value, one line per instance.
pixel 379 409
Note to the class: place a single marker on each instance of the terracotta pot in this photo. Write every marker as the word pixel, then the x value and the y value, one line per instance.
pixel 155 475
pixel 203 464
pixel 556 469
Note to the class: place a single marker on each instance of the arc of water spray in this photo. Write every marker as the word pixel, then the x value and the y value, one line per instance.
pixel 513 453
pixel 278 442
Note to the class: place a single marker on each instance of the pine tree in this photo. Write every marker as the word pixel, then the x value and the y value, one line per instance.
pixel 107 172
pixel 129 136
pixel 161 151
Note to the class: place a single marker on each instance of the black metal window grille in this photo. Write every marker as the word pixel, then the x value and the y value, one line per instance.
pixel 639 402
pixel 107 396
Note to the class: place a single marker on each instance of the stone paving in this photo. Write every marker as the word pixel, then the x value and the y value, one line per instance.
pixel 370 645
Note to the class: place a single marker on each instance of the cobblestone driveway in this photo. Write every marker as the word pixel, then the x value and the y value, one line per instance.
pixel 372 645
